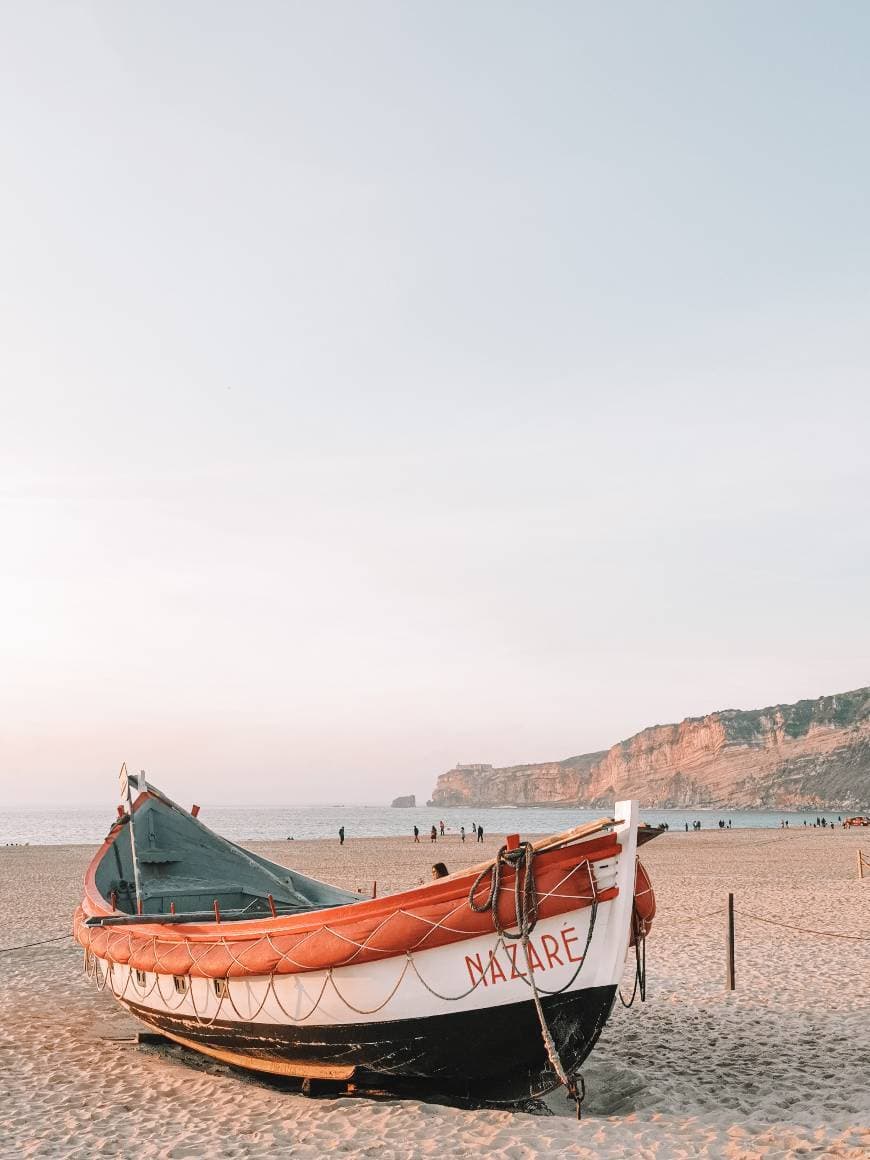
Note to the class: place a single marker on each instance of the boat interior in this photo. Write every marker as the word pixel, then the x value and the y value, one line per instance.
pixel 188 873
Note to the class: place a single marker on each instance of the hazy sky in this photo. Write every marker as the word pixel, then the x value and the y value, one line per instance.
pixel 386 385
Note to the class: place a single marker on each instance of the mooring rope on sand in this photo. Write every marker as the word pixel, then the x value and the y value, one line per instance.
pixel 40 943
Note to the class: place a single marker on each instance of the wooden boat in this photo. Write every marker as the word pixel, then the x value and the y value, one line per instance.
pixel 490 984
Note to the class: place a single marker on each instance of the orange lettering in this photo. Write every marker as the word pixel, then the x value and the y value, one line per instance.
pixel 567 941
pixel 512 949
pixel 481 973
pixel 495 966
pixel 552 955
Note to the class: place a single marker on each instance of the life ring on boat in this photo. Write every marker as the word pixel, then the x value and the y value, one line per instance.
pixel 644 900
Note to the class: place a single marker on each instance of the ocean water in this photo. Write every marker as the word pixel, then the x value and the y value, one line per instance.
pixel 89 826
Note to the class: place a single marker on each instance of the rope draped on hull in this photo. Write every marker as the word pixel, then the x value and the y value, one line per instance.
pixel 521 860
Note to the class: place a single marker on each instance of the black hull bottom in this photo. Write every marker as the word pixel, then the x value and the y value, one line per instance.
pixel 496 1054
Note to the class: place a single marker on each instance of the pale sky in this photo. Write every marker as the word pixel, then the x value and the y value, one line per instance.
pixel 390 385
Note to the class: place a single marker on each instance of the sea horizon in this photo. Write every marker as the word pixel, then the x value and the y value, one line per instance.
pixel 83 825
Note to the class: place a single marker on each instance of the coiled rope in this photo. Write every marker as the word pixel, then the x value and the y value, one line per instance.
pixel 521 861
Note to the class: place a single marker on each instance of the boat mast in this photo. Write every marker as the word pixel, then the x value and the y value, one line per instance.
pixel 126 792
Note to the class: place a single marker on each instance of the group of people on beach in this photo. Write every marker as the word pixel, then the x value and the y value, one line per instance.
pixel 477 831
pixel 819 823
pixel 433 833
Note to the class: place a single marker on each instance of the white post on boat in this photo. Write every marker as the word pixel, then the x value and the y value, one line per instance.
pixel 127 794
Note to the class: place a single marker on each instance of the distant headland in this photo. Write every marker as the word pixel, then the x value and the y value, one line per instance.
pixel 811 754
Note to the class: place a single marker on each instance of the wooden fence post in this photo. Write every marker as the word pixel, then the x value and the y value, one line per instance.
pixel 860 864
pixel 729 946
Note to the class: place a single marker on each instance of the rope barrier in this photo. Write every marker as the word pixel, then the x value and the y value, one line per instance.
pixel 804 929
pixel 691 917
pixel 41 943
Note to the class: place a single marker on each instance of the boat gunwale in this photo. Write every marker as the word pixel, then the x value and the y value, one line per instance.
pixel 437 892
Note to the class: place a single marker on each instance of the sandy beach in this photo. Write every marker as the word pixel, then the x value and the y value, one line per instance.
pixel 776 1068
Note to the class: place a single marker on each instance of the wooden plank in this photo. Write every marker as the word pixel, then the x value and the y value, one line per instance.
pixel 729 946
pixel 550 842
pixel 290 1067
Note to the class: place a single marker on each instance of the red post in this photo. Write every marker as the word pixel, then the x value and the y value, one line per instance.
pixel 172 907
pixel 272 906
pixel 194 811
pixel 113 899
pixel 217 911
pixel 512 841
pixel 374 889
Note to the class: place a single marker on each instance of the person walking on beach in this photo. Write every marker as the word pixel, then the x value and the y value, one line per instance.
pixel 480 833
pixel 441 824
pixel 687 827
pixel 462 832
pixel 417 834
pixel 433 834
pixel 341 835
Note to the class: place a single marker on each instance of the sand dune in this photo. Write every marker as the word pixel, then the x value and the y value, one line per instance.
pixel 778 1068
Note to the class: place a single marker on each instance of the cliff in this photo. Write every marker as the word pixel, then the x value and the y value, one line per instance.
pixel 813 753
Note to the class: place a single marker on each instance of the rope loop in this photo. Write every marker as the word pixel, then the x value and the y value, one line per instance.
pixel 521 861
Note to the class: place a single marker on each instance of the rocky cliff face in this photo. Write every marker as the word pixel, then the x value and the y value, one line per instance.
pixel 814 753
